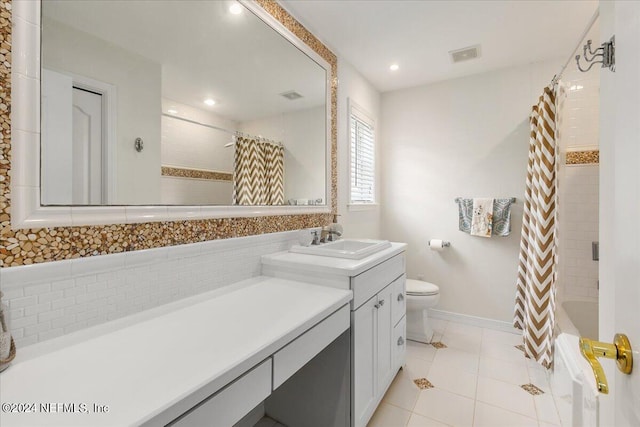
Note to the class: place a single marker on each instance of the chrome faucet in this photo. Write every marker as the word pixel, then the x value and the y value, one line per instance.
pixel 329 235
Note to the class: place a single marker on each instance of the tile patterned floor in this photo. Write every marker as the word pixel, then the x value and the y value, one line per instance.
pixel 477 378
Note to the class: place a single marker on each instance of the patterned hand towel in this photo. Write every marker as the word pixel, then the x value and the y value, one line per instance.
pixel 502 217
pixel 482 220
pixel 465 212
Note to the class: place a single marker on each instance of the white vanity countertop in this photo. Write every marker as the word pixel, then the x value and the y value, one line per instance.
pixel 162 365
pixel 325 264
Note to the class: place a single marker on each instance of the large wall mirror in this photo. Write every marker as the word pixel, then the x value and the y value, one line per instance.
pixel 179 103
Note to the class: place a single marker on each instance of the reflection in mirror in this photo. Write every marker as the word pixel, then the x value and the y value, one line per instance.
pixel 196 106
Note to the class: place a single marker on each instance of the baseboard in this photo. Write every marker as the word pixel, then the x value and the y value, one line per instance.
pixel 480 322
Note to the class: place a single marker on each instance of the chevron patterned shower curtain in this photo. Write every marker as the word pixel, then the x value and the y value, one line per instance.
pixel 258 177
pixel 536 282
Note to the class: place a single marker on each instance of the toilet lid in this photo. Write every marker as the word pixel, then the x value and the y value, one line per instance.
pixel 418 287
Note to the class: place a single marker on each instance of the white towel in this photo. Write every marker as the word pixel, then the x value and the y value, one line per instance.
pixel 482 220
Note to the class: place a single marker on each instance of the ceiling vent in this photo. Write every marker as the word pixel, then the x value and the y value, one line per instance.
pixel 465 53
pixel 291 95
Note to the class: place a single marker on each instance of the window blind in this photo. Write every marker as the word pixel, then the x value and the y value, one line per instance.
pixel 362 161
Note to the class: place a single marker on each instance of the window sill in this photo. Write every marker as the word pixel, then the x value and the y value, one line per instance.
pixel 362 207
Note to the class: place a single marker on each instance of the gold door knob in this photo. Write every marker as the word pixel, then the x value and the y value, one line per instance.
pixel 619 350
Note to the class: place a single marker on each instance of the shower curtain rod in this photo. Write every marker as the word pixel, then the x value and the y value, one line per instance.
pixel 595 16
pixel 235 133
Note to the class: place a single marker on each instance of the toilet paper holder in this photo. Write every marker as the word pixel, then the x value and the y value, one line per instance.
pixel 445 244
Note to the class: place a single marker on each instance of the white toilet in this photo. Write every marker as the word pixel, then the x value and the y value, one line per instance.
pixel 420 297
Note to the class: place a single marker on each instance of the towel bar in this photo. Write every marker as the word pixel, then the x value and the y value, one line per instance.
pixel 457 199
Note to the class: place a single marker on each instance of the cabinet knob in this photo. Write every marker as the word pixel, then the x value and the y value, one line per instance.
pixel 400 341
pixel 381 302
pixel 400 297
pixel 376 305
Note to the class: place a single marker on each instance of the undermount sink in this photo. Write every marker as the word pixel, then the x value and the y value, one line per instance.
pixel 346 248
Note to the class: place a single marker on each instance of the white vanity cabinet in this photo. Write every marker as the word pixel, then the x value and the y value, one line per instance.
pixel 378 309
pixel 378 339
pixel 372 354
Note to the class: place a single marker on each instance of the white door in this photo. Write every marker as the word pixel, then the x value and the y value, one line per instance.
pixel 87 147
pixel 72 143
pixel 620 208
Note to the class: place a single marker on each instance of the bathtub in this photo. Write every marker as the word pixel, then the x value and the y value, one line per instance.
pixel 572 383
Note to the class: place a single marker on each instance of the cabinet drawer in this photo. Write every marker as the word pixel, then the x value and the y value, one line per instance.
pixel 370 282
pixel 296 354
pixel 233 402
pixel 399 299
pixel 399 343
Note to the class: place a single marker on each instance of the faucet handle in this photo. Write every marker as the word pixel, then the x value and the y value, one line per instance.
pixel 316 238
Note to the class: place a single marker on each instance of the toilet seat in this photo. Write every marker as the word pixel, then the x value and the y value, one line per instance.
pixel 421 288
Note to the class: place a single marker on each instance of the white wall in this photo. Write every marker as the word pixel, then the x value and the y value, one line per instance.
pixel 192 146
pixel 357 222
pixel 466 137
pixel 303 135
pixel 138 85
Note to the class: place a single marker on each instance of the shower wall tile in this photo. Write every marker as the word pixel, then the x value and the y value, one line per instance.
pixel 579 116
pixel 579 184
pixel 579 219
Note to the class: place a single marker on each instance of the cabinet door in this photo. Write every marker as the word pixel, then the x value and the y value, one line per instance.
pixel 385 348
pixel 364 391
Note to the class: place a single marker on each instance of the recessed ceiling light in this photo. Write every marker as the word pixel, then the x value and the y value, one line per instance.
pixel 394 67
pixel 235 8
pixel 210 102
pixel 172 111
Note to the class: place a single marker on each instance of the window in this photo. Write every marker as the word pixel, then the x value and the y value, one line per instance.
pixel 362 157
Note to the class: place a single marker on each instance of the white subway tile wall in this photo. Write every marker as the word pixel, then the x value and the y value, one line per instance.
pixel 578 228
pixel 56 298
pixel 579 185
pixel 580 114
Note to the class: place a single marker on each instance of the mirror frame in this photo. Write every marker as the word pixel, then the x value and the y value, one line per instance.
pixel 26 209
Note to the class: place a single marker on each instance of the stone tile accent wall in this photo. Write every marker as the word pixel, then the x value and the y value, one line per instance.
pixel 29 246
pixel 196 173
pixel 583 157
pixel 5 123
